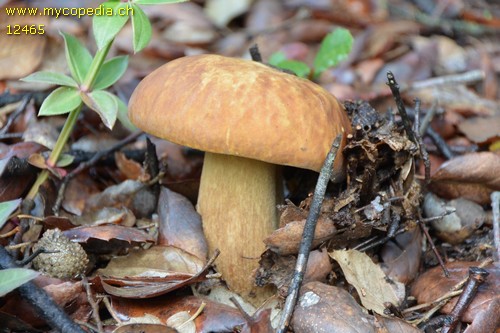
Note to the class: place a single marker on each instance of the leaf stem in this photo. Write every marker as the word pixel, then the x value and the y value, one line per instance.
pixel 95 67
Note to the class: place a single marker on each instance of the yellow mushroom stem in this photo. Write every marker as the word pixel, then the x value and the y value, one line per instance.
pixel 237 201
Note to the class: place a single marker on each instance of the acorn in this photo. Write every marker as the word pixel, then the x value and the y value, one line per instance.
pixel 66 260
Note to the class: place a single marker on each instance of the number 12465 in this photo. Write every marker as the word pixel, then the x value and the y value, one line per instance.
pixel 33 29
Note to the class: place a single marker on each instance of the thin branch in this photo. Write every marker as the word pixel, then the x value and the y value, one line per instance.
pixel 308 236
pixel 393 85
pixel 495 205
pixel 89 163
pixel 15 114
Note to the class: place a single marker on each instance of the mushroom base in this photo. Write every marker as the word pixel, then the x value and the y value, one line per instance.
pixel 237 202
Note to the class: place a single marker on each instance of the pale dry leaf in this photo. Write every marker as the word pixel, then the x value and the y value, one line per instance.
pixel 373 286
pixel 221 12
pixel 472 176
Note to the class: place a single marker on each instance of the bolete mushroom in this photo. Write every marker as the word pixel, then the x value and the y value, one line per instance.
pixel 249 119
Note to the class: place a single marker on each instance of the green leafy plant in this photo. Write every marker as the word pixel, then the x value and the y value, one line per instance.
pixel 7 208
pixel 13 278
pixel 334 48
pixel 91 75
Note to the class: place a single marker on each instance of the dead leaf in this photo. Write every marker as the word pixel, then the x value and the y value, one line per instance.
pixel 324 308
pixel 130 168
pixel 180 225
pixel 487 320
pixel 78 190
pixel 458 226
pixel 221 12
pixel 108 238
pixel 136 196
pixel 481 129
pixel 402 256
pixel 286 240
pixel 278 269
pixel 472 176
pixel 144 328
pixel 432 285
pixel 373 286
pixel 457 98
pixel 31 47
pixel 152 272
pixel 215 317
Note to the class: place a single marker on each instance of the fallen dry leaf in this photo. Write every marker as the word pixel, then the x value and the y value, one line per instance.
pixel 144 328
pixel 458 226
pixel 432 285
pixel 286 240
pixel 401 256
pixel 487 320
pixel 215 317
pixel 152 272
pixel 373 286
pixel 481 129
pixel 221 12
pixel 31 47
pixel 472 176
pixel 180 225
pixel 324 308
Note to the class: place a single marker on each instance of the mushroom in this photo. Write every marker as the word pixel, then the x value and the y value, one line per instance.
pixel 249 119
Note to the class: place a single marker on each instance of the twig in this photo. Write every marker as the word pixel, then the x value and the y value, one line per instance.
pixel 15 114
pixel 41 301
pixel 423 152
pixel 393 85
pixel 8 98
pixel 495 205
pixel 426 121
pixel 440 304
pixel 85 165
pixel 441 145
pixel 476 277
pixel 255 53
pixel 433 246
pixel 308 235
pixel 93 304
pixel 462 78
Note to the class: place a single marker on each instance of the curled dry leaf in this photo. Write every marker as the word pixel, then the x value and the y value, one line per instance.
pixel 488 320
pixel 107 238
pixel 433 284
pixel 286 240
pixel 458 226
pixel 473 176
pixel 215 317
pixel 402 256
pixel 324 308
pixel 144 328
pixel 152 272
pixel 180 224
pixel 373 286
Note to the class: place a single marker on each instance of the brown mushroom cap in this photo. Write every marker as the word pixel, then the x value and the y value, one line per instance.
pixel 239 107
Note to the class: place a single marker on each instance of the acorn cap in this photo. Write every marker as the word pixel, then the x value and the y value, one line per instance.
pixel 238 107
pixel 68 259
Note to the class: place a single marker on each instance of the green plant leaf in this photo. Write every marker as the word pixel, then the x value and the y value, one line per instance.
pixel 13 278
pixel 277 57
pixel 111 71
pixel 106 27
pixel 334 48
pixel 60 101
pixel 141 29
pixel 156 2
pixel 123 115
pixel 7 208
pixel 104 104
pixel 51 78
pixel 298 67
pixel 65 160
pixel 77 56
